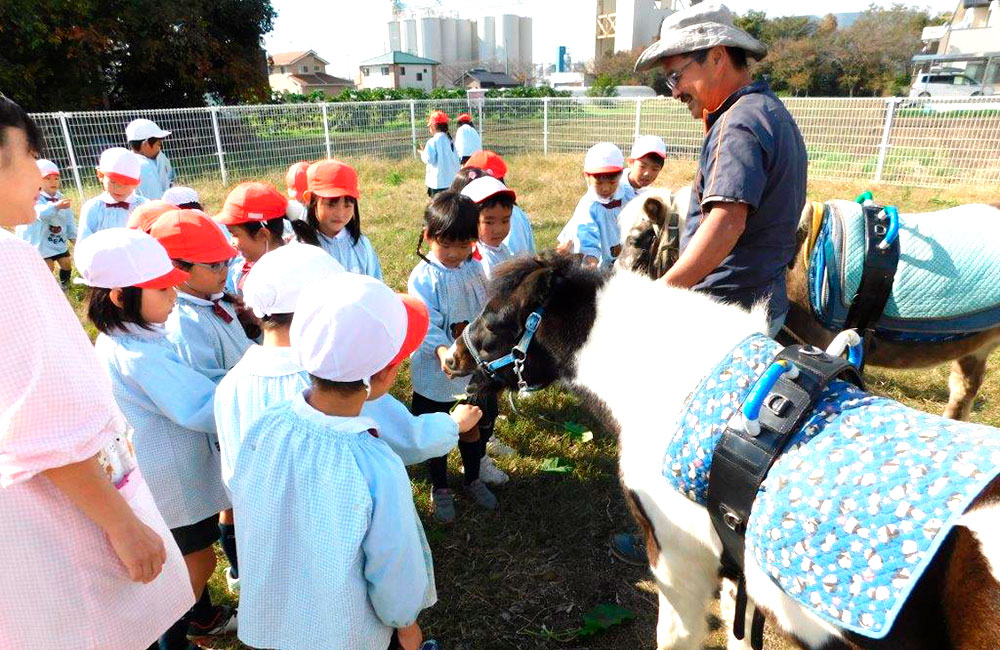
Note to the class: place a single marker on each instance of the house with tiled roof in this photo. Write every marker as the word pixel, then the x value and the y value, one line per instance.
pixel 303 72
pixel 399 70
pixel 479 78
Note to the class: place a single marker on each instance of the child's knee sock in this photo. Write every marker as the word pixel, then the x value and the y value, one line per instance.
pixel 64 276
pixel 227 539
pixel 471 455
pixel 175 638
pixel 438 469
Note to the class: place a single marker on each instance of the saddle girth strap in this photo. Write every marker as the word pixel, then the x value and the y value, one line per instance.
pixel 741 461
pixel 877 276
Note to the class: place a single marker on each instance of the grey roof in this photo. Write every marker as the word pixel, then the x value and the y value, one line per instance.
pixel 486 78
pixel 399 57
pixel 321 79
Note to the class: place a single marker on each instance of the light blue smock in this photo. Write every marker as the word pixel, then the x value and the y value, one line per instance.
pixel 170 407
pixel 467 141
pixel 454 297
pixel 520 239
pixel 332 554
pixel 150 181
pixel 204 340
pixel 52 229
pixel 97 214
pixel 357 257
pixel 491 256
pixel 165 171
pixel 593 228
pixel 442 161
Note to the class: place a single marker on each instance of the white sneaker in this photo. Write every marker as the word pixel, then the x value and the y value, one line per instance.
pixel 490 473
pixel 233 584
pixel 497 447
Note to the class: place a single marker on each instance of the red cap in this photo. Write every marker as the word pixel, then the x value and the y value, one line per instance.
pixel 145 214
pixel 173 278
pixel 295 180
pixel 437 117
pixel 417 324
pixel 464 117
pixel 252 201
pixel 191 236
pixel 489 161
pixel 331 179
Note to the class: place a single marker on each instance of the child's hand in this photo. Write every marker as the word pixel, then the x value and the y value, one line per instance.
pixel 565 247
pixel 442 355
pixel 140 549
pixel 410 637
pixel 466 416
pixel 63 204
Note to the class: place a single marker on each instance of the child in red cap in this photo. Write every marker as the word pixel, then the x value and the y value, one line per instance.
pixel 333 218
pixel 439 154
pixel 467 138
pixel 521 239
pixel 254 215
pixel 297 184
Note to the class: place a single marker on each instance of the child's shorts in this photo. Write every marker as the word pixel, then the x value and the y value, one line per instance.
pixel 198 536
pixel 56 258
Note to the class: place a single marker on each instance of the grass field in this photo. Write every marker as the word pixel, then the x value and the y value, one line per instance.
pixel 525 577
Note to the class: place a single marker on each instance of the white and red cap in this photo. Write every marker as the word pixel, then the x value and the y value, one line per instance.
pixel 486 187
pixel 120 165
pixel 181 195
pixel 275 282
pixel 47 168
pixel 350 326
pixel 603 158
pixel 648 144
pixel 115 258
pixel 143 129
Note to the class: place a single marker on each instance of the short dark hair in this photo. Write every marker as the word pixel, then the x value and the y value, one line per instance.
pixel 498 199
pixel 12 116
pixel 275 227
pixel 275 321
pixel 108 317
pixel 340 387
pixel 307 231
pixel 136 145
pixel 192 205
pixel 450 216
pixel 443 128
pixel 653 158
pixel 736 54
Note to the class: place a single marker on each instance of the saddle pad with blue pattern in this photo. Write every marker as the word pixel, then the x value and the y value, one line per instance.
pixel 947 281
pixel 847 523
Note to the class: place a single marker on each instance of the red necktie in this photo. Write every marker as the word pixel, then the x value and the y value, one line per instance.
pixel 218 310
pixel 124 205
pixel 476 255
pixel 611 205
pixel 243 274
pixel 51 199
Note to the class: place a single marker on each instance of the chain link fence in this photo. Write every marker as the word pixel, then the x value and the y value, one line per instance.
pixel 926 142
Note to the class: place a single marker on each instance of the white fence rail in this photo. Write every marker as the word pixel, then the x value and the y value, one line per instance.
pixel 919 142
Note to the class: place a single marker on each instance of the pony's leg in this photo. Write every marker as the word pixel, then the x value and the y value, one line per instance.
pixel 971 594
pixel 966 378
pixel 686 585
pixel 727 614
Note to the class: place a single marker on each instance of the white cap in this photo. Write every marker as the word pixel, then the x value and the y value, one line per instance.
pixel 143 129
pixel 347 327
pixel 181 195
pixel 648 144
pixel 486 186
pixel 47 167
pixel 118 161
pixel 275 281
pixel 604 158
pixel 124 257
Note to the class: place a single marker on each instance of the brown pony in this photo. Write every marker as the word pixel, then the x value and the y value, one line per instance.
pixel 649 248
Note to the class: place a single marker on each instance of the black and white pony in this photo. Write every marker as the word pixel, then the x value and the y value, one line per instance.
pixel 635 348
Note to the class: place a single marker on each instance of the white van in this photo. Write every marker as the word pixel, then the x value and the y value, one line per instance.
pixel 941 83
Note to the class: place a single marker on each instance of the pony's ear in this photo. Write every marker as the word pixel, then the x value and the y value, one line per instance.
pixel 655 211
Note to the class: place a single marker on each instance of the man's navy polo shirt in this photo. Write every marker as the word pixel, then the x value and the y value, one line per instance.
pixel 753 153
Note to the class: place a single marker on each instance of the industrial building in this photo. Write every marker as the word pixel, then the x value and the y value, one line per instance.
pixel 624 25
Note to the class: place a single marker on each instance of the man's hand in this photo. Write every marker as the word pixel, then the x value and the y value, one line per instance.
pixel 711 243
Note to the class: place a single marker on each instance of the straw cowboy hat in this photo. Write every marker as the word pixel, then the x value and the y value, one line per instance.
pixel 697 28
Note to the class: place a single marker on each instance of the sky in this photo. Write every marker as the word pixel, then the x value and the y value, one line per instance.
pixel 345 32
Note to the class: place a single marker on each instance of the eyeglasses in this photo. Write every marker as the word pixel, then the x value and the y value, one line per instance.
pixel 674 77
pixel 214 266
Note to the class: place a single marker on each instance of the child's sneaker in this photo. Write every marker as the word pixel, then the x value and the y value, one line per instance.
pixel 232 584
pixel 444 505
pixel 224 622
pixel 498 447
pixel 490 473
pixel 482 495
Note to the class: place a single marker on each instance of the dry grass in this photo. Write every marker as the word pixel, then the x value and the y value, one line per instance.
pixel 520 578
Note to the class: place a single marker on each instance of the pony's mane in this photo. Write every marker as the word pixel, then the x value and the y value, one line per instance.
pixel 511 274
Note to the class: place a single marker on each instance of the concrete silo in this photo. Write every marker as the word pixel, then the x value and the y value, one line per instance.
pixel 408 33
pixel 429 38
pixel 508 39
pixel 486 35
pixel 524 45
pixel 449 40
pixel 465 31
pixel 395 38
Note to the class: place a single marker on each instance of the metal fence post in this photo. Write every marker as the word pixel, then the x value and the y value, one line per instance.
pixel 218 144
pixel 883 148
pixel 638 116
pixel 413 126
pixel 72 155
pixel 482 124
pixel 545 125
pixel 326 131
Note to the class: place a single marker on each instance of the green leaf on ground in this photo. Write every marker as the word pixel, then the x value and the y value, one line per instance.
pixel 578 432
pixel 556 466
pixel 603 617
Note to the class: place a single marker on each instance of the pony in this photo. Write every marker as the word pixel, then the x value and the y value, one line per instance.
pixel 650 247
pixel 638 391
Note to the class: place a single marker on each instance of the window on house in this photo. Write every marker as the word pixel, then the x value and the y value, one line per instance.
pixel 402 70
pixel 385 70
pixel 420 76
pixel 282 69
pixel 316 68
pixel 425 69
pixel 305 68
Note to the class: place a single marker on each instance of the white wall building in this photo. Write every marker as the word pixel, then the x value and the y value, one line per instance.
pixel 970 42
pixel 623 25
pixel 503 41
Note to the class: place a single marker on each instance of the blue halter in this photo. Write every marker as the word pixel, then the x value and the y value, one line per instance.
pixel 515 357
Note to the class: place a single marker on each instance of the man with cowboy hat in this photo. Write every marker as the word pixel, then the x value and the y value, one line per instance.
pixel 751 182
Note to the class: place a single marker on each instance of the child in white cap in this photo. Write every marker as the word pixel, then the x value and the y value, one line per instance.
pixel 185 198
pixel 495 202
pixel 54 226
pixel 332 551
pixel 145 138
pixel 118 172
pixel 644 164
pixel 593 229
pixel 169 405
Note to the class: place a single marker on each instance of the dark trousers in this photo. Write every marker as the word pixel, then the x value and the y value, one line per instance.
pixel 471 452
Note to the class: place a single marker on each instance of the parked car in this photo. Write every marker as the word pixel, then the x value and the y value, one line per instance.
pixel 947 84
